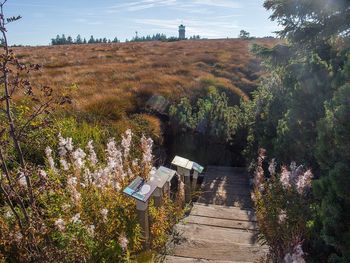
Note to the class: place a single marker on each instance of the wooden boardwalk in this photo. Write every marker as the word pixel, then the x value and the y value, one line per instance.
pixel 222 226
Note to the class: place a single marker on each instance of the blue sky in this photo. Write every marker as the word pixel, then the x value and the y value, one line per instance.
pixel 44 19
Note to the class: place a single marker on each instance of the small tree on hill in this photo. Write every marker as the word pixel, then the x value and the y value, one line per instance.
pixel 244 34
pixel 91 40
pixel 78 40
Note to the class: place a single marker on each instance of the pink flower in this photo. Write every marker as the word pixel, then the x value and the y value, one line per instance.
pixel 146 145
pixel 282 216
pixel 91 230
pixel 42 174
pixel 22 180
pixel 79 156
pixel 65 145
pixel 259 171
pixel 285 177
pixel 123 241
pixel 50 160
pixel 272 167
pixel 114 156
pixel 295 173
pixel 92 154
pixel 76 218
pixel 104 213
pixel 296 257
pixel 304 182
pixel 126 143
pixel 60 224
pixel 64 164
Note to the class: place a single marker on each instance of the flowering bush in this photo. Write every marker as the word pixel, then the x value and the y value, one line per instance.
pixel 79 213
pixel 282 209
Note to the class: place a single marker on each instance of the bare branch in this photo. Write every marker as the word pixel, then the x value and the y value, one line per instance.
pixel 8 106
pixel 37 113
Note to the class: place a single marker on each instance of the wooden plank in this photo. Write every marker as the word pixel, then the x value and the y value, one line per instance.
pixel 216 234
pixel 227 180
pixel 174 259
pixel 218 229
pixel 215 211
pixel 219 222
pixel 236 200
pixel 222 187
pixel 218 251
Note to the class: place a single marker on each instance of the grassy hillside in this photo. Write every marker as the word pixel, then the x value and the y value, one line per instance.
pixel 124 75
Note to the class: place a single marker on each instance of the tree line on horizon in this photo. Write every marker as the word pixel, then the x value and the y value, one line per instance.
pixel 63 40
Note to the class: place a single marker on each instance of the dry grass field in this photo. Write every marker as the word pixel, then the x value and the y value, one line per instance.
pixel 117 79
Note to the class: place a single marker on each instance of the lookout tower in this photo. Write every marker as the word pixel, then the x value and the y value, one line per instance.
pixel 182 32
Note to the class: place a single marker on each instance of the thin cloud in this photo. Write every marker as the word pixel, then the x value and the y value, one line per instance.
pixel 193 6
pixel 140 5
pixel 213 28
pixel 218 3
pixel 30 5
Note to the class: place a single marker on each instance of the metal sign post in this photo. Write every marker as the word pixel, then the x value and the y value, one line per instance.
pixel 184 167
pixel 197 169
pixel 141 190
pixel 161 178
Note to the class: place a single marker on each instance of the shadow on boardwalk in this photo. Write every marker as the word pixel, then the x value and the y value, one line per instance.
pixel 222 225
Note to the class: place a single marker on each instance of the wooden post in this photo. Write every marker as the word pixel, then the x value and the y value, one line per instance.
pixel 167 189
pixel 184 167
pixel 158 197
pixel 160 178
pixel 195 178
pixel 184 175
pixel 142 216
pixel 141 191
pixel 188 192
pixel 197 169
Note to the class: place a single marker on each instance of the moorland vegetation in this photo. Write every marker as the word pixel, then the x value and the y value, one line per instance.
pixel 292 108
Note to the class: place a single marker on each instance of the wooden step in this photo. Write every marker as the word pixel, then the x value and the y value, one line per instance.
pixel 224 199
pixel 222 225
pixel 219 222
pixel 232 181
pixel 216 234
pixel 216 211
pixel 218 251
pixel 223 188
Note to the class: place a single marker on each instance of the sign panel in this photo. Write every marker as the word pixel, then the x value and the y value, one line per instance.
pixel 162 176
pixel 182 162
pixel 167 172
pixel 198 167
pixel 140 189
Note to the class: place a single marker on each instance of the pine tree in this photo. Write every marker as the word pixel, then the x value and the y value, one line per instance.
pixel 69 40
pixel 78 40
pixel 91 40
pixel 301 111
pixel 63 40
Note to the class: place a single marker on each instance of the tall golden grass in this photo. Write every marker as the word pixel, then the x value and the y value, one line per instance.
pixel 111 77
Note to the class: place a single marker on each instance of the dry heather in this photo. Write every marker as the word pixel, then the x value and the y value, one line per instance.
pixel 113 79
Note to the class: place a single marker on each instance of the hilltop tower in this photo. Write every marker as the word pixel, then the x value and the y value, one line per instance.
pixel 182 32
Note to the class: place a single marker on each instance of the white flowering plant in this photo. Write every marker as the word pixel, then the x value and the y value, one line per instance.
pixel 282 202
pixel 80 213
